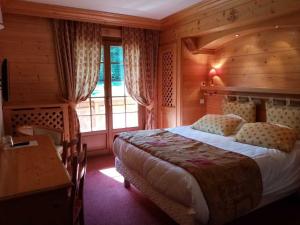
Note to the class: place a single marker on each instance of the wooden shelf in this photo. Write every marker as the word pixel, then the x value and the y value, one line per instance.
pixel 216 89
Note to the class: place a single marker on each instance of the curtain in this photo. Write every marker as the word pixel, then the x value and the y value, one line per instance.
pixel 78 50
pixel 140 66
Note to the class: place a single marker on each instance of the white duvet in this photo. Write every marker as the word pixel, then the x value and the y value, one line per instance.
pixel 280 171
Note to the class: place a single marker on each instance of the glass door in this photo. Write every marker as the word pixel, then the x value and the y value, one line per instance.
pixel 92 112
pixel 109 109
pixel 124 108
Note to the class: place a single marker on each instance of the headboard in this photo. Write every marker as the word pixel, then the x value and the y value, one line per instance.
pixel 215 95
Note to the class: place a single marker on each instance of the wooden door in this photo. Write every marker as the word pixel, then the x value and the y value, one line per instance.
pixel 167 86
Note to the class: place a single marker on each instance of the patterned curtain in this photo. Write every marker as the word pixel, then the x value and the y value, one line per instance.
pixel 78 49
pixel 140 64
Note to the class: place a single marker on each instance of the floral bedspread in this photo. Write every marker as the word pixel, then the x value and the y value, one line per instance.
pixel 231 183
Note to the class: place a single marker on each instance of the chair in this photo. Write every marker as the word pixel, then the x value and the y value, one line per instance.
pixel 70 149
pixel 56 135
pixel 79 164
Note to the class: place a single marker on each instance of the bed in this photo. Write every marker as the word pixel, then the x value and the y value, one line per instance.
pixel 280 173
pixel 179 194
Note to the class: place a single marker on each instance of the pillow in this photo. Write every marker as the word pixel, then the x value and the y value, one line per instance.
pixel 267 135
pixel 284 115
pixel 218 124
pixel 246 110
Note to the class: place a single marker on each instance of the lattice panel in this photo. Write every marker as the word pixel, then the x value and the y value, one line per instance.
pixel 168 81
pixel 49 117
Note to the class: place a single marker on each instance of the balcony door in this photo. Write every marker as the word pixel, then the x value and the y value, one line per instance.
pixel 110 109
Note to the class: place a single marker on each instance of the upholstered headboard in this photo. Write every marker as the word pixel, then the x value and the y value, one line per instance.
pixel 215 96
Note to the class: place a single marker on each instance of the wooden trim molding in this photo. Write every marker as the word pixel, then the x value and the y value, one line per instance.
pixel 216 89
pixel 231 11
pixel 62 12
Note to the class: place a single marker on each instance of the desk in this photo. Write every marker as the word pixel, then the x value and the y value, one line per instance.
pixel 33 185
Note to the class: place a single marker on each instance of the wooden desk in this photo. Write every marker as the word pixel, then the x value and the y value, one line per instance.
pixel 33 185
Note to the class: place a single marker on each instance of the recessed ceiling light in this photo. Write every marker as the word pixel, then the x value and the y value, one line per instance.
pixel 237 35
pixel 276 26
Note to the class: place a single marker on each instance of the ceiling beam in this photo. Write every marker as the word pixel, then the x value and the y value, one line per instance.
pixel 84 15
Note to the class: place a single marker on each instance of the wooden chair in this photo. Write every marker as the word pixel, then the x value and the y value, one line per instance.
pixel 68 152
pixel 70 149
pixel 79 164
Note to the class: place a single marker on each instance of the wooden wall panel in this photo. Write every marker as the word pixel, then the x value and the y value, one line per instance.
pixel 253 64
pixel 268 59
pixel 194 71
pixel 213 104
pixel 27 43
pixel 218 15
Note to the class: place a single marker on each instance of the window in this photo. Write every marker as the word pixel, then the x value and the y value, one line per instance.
pixel 109 104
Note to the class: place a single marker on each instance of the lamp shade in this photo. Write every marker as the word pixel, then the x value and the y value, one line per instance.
pixel 213 72
pixel 1 20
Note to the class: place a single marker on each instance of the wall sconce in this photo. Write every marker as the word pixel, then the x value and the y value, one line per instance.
pixel 1 20
pixel 212 73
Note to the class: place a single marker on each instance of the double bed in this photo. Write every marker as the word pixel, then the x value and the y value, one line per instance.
pixel 179 194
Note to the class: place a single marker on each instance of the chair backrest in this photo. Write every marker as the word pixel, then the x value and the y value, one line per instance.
pixel 79 164
pixel 70 149
pixel 83 167
pixel 67 154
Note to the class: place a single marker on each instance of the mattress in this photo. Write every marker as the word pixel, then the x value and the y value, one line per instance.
pixel 280 171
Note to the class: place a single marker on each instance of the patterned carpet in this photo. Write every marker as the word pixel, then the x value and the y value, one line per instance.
pixel 107 202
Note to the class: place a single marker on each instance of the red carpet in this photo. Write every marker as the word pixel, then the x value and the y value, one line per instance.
pixel 107 202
